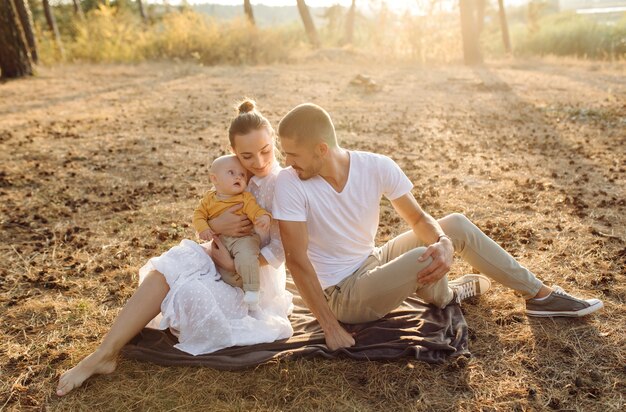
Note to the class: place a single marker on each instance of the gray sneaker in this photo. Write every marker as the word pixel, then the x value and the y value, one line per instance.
pixel 469 285
pixel 559 303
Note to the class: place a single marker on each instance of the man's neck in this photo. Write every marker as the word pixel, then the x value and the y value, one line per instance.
pixel 336 169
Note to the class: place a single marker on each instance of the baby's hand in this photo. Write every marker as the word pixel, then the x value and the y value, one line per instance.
pixel 206 234
pixel 263 223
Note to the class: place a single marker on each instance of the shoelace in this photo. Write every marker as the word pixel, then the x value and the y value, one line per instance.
pixel 465 290
pixel 559 291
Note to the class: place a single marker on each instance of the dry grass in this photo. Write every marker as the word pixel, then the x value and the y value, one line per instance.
pixel 102 165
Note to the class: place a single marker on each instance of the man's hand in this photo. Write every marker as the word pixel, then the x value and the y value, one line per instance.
pixel 206 234
pixel 427 229
pixel 231 224
pixel 442 254
pixel 338 338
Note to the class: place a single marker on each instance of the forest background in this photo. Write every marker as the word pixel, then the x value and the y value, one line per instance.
pixel 119 106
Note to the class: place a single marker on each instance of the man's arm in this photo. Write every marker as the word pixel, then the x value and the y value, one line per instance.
pixel 295 243
pixel 428 230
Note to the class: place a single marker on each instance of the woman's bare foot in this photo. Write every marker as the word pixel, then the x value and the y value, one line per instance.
pixel 94 364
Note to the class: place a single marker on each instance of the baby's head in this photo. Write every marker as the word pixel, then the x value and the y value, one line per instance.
pixel 228 175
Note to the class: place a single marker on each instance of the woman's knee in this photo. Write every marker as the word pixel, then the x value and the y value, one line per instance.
pixel 156 276
pixel 156 279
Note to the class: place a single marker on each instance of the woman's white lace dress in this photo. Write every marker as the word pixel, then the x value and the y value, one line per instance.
pixel 207 314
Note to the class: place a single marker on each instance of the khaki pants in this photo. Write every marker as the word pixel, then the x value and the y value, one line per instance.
pixel 389 275
pixel 245 252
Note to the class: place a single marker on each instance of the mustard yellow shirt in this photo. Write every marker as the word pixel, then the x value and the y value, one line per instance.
pixel 210 206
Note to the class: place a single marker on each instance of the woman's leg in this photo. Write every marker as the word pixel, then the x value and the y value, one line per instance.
pixel 143 306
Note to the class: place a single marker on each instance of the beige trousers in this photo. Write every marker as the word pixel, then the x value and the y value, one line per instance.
pixel 389 275
pixel 245 251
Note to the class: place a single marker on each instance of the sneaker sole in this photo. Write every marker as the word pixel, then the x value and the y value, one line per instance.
pixel 577 314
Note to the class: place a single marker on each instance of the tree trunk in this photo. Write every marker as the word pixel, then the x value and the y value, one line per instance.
pixel 144 17
pixel 308 23
pixel 471 48
pixel 247 8
pixel 26 19
pixel 52 24
pixel 504 27
pixel 349 34
pixel 15 59
pixel 480 16
pixel 78 9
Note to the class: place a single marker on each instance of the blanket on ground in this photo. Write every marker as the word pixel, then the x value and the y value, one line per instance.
pixel 413 330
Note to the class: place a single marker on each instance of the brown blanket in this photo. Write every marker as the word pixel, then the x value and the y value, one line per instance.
pixel 413 330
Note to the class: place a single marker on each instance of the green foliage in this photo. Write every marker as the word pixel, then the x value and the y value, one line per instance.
pixel 112 34
pixel 116 33
pixel 189 34
pixel 564 34
pixel 398 37
pixel 573 35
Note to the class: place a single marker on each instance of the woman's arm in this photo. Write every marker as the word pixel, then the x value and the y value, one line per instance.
pixel 273 253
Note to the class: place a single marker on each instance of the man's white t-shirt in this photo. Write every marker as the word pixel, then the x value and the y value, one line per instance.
pixel 341 226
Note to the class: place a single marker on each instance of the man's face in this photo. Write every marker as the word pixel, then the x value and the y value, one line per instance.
pixel 304 158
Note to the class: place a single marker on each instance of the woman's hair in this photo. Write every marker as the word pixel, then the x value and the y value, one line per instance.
pixel 248 119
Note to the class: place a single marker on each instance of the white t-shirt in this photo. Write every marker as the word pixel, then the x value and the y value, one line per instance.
pixel 341 226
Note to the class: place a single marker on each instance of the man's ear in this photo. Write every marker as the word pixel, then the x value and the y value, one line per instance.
pixel 322 149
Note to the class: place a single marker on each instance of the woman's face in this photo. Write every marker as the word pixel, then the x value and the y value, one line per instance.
pixel 255 151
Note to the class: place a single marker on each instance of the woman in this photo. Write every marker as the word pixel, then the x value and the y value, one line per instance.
pixel 252 140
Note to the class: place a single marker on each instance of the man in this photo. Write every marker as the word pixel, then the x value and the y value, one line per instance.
pixel 327 204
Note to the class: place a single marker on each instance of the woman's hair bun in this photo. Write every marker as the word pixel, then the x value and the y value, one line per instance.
pixel 246 106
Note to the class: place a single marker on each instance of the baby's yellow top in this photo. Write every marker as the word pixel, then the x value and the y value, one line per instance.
pixel 229 178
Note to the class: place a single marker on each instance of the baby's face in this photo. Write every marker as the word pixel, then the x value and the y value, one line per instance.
pixel 229 178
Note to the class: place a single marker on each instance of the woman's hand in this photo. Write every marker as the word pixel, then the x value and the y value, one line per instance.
pixel 231 224
pixel 262 226
pixel 221 257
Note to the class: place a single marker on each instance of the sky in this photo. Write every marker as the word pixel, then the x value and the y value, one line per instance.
pixel 396 5
pixel 312 3
pixel 400 6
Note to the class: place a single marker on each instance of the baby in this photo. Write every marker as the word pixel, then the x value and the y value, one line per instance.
pixel 229 180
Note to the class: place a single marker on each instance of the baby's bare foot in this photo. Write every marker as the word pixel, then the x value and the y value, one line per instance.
pixel 93 364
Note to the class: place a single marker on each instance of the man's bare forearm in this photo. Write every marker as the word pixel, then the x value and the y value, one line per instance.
pixel 310 289
pixel 427 229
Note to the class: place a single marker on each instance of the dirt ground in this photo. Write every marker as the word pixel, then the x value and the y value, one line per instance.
pixel 101 167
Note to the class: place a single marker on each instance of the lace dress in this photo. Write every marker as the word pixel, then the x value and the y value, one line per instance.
pixel 205 313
